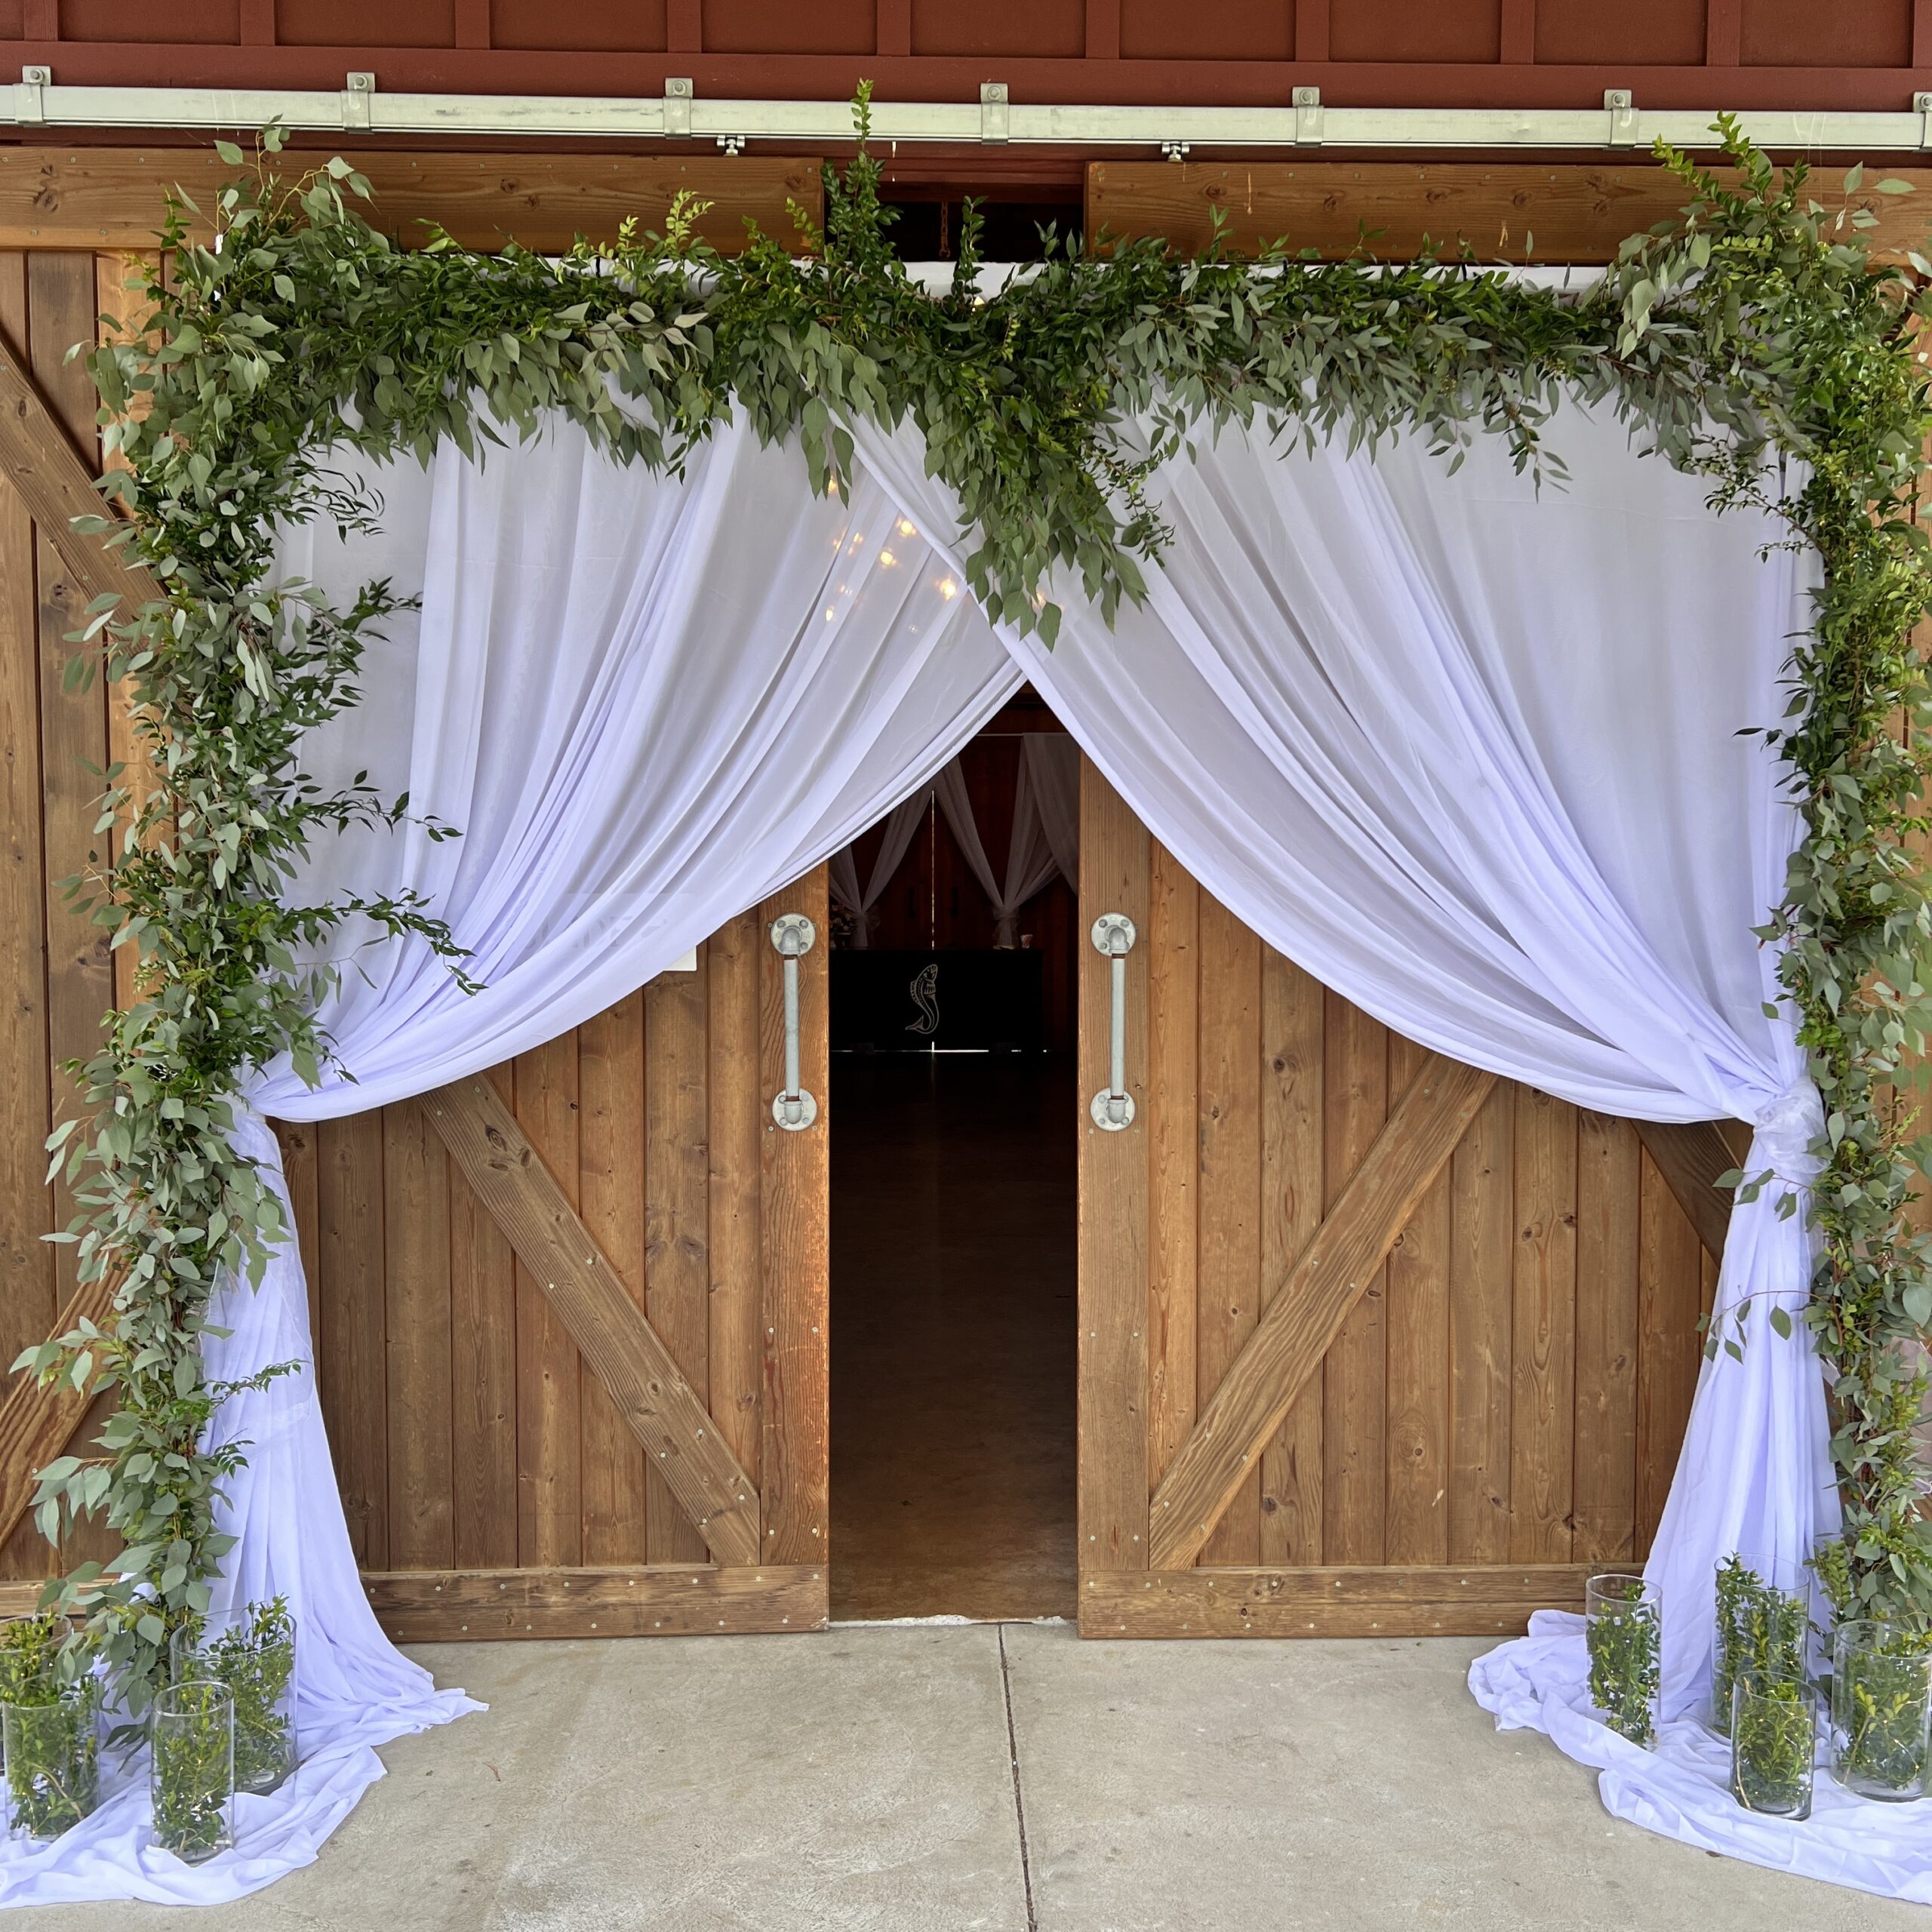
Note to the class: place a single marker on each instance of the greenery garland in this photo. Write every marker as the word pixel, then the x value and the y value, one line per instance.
pixel 1755 323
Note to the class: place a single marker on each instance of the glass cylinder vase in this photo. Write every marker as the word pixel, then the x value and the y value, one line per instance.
pixel 190 1736
pixel 1763 1629
pixel 253 1652
pixel 1881 1711
pixel 1773 1731
pixel 52 1737
pixel 1624 1628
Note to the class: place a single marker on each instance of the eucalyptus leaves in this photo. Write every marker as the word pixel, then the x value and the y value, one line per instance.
pixel 1754 322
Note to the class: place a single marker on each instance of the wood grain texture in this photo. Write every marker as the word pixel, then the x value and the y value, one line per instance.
pixel 351 1369
pixel 483 1370
pixel 1111 1397
pixel 1608 1211
pixel 794 1215
pixel 416 1273
pixel 444 1607
pixel 1560 212
pixel 1368 1601
pixel 1174 1158
pixel 677 1268
pixel 1690 1155
pixel 734 1100
pixel 1229 1236
pixel 1293 1019
pixel 114 198
pixel 1416 1527
pixel 1542 1340
pixel 1326 1284
pixel 611 1084
pixel 1669 1346
pixel 37 1424
pixel 549 1466
pixel 1354 1372
pixel 660 1407
pixel 1481 1178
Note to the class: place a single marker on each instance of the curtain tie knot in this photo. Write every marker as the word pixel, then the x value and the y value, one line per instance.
pixel 1786 1131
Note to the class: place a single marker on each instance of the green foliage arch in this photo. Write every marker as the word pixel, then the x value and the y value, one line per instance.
pixel 1754 323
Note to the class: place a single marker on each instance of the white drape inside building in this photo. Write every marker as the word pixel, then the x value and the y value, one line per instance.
pixel 1467 753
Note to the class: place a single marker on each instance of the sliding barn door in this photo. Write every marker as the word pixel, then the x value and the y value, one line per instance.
pixel 570 1318
pixel 1371 1342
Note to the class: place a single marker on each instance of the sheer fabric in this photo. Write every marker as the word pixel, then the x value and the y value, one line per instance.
pixel 1466 753
pixel 842 870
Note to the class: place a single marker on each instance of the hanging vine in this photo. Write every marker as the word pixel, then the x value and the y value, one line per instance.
pixel 1754 323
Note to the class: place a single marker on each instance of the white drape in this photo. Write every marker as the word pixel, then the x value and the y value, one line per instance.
pixel 902 826
pixel 1467 755
pixel 1030 864
pixel 1049 773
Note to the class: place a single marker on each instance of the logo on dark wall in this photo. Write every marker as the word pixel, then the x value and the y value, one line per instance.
pixel 924 990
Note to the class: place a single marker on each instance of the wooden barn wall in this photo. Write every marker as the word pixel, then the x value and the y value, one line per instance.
pixel 1523 53
pixel 1511 1388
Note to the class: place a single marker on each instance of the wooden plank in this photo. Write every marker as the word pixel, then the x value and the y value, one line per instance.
pixel 432 1607
pixel 1230 1300
pixel 1293 1010
pixel 114 198
pixel 1690 1155
pixel 1354 1371
pixel 1669 1347
pixel 28 1294
pixel 1607 1217
pixel 1542 1342
pixel 352 1375
pixel 1326 1283
pixel 36 1424
pixel 58 420
pixel 1547 212
pixel 416 1221
pixel 1481 1186
pixel 1115 876
pixel 610 1078
pixel 1173 1158
pixel 503 1166
pixel 1416 1530
pixel 677 1267
pixel 549 1466
pixel 1413 1601
pixel 738 1109
pixel 51 462
pixel 483 1371
pixel 298 1143
pixel 794 1206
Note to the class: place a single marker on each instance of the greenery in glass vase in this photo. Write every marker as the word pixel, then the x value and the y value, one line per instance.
pixel 1878 1706
pixel 1774 1741
pixel 52 1762
pixel 1626 1649
pixel 1761 1634
pixel 193 1775
pixel 255 1657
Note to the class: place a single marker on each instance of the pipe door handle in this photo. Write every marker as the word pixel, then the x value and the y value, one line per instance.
pixel 793 935
pixel 1112 1107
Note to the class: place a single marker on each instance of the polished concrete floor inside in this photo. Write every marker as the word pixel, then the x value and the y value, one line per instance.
pixel 953 1233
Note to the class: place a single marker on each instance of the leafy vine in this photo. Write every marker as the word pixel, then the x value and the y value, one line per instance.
pixel 1755 322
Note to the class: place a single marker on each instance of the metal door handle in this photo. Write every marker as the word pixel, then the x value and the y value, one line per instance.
pixel 793 934
pixel 1112 1107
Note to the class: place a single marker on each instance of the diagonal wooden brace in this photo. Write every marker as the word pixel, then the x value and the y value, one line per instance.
pixel 1327 1279
pixel 623 1351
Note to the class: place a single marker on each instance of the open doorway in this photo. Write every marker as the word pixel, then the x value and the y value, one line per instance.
pixel 954 1206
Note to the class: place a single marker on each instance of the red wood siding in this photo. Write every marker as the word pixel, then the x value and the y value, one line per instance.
pixel 1839 53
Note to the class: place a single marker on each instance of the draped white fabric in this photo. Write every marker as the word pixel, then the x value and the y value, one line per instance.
pixel 1050 772
pixel 1030 864
pixel 1468 754
pixel 902 826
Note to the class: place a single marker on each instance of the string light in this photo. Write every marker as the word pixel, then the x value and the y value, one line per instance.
pixel 906 529
pixel 948 588
pixel 887 559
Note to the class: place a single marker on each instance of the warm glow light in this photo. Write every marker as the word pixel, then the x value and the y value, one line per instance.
pixel 906 529
pixel 948 588
pixel 829 614
pixel 887 558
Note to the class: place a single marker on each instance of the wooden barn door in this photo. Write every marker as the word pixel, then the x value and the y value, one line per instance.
pixel 570 1319
pixel 1371 1342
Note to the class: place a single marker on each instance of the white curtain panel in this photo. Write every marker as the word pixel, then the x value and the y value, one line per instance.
pixel 1468 752
pixel 1050 769
pixel 902 826
pixel 1030 864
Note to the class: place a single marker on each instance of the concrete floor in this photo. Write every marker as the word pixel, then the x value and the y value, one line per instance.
pixel 1000 1778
